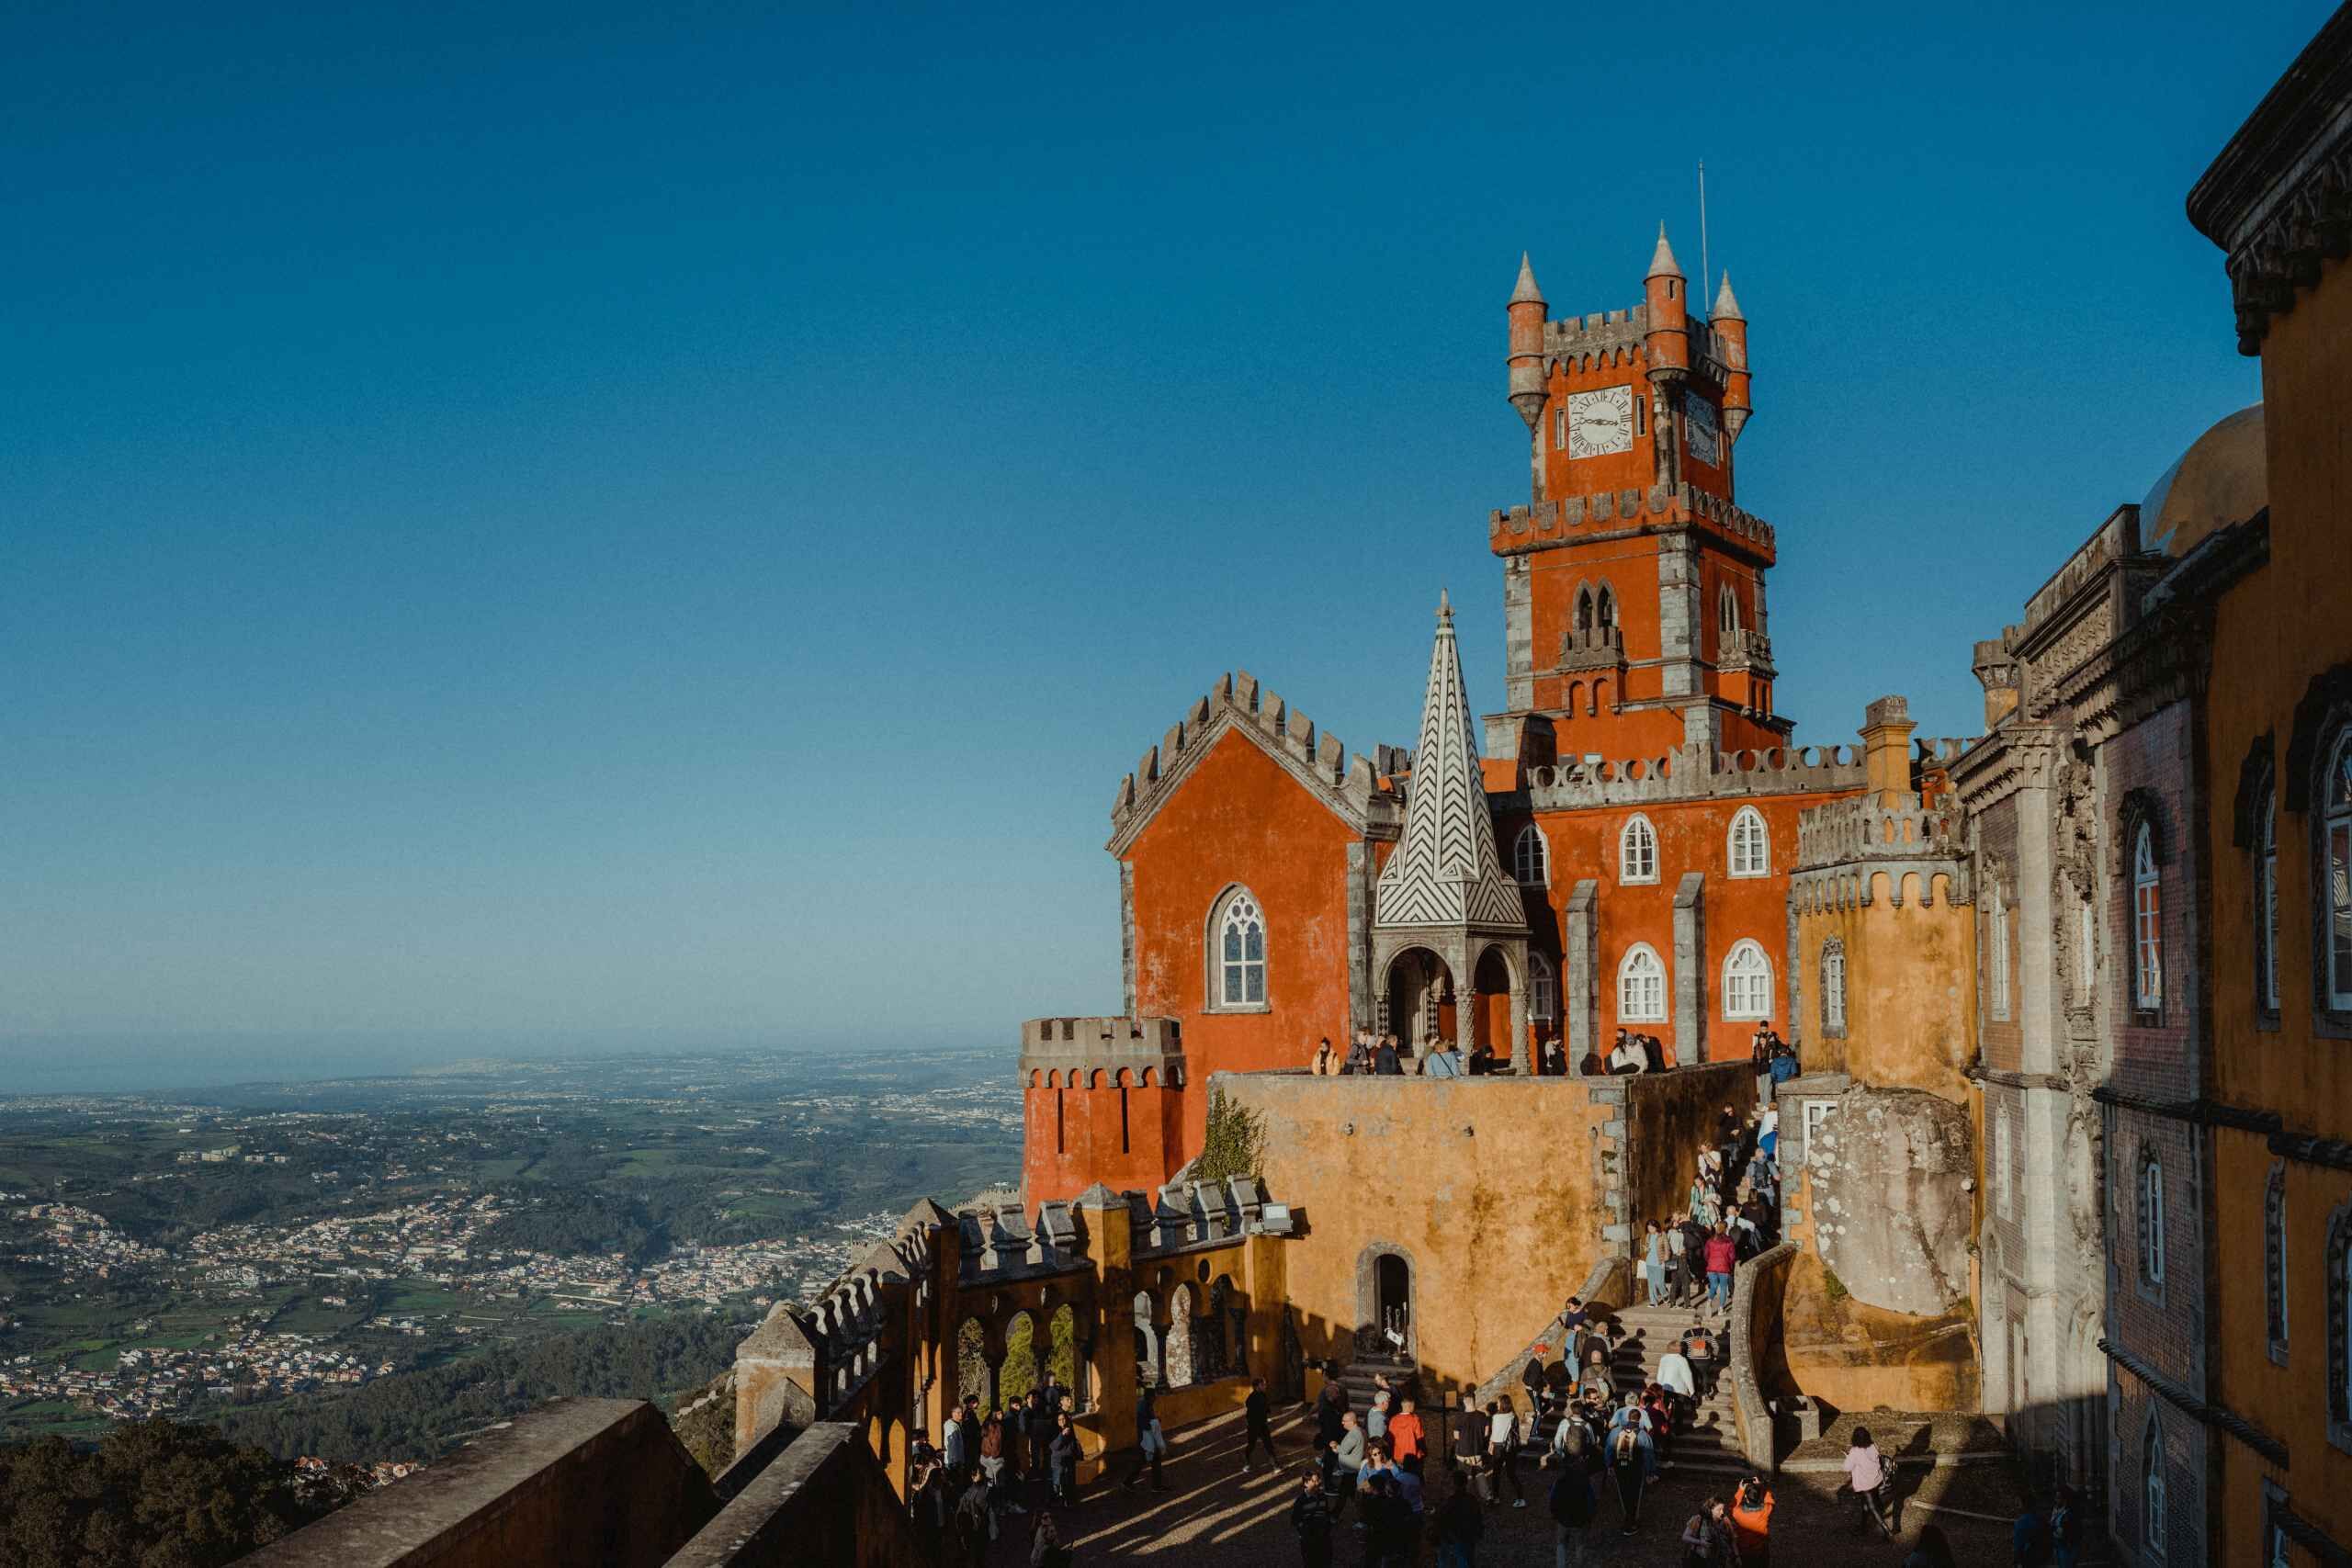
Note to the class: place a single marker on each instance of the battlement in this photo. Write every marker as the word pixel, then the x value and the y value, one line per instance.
pixel 1522 529
pixel 1691 773
pixel 2111 541
pixel 1130 1053
pixel 1619 337
pixel 1352 783
pixel 1844 832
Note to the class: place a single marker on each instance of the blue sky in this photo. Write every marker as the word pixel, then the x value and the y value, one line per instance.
pixel 534 528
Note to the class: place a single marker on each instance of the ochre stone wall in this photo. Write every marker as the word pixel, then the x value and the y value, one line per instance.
pixel 2273 633
pixel 1240 818
pixel 1669 1116
pixel 1853 1356
pixel 1486 1186
pixel 1910 990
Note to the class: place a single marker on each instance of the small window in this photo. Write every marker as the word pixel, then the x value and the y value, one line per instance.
pixel 2274 1258
pixel 1748 983
pixel 1241 952
pixel 2086 952
pixel 1996 985
pixel 2336 871
pixel 1726 609
pixel 2153 1527
pixel 1559 427
pixel 1641 416
pixel 2152 1217
pixel 1637 851
pixel 1751 847
pixel 2147 923
pixel 2266 904
pixel 1530 858
pixel 1833 986
pixel 1605 608
pixel 1641 987
pixel 1817 1116
pixel 1543 995
pixel 2002 1170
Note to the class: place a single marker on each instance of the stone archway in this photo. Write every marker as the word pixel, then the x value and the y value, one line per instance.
pixel 1418 997
pixel 1493 984
pixel 1387 1284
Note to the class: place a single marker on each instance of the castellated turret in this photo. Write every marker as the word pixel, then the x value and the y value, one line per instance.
pixel 1729 329
pixel 1666 293
pixel 1527 390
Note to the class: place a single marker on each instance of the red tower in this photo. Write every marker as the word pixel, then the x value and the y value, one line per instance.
pixel 1633 585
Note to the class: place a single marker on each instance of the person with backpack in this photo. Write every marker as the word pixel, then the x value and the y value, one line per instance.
pixel 1707 1540
pixel 1502 1452
pixel 1722 1257
pixel 1572 1509
pixel 1629 1462
pixel 1865 1475
pixel 1311 1519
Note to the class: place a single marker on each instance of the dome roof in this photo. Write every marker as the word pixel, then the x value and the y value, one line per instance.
pixel 2223 478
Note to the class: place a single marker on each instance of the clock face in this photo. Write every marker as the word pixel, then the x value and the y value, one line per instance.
pixel 1699 421
pixel 1601 422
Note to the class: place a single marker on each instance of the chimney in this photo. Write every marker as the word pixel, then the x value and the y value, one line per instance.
pixel 1996 672
pixel 1886 750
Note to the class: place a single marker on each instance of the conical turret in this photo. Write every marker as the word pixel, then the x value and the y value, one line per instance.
pixel 1668 343
pixel 1526 311
pixel 1731 343
pixel 1662 261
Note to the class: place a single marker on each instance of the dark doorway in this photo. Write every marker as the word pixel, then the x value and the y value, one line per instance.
pixel 1393 1289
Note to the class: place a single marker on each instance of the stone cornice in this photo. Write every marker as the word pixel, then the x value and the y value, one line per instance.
pixel 2197 1409
pixel 2279 199
pixel 2015 755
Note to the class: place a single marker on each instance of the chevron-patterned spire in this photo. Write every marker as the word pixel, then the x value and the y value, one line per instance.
pixel 1445 871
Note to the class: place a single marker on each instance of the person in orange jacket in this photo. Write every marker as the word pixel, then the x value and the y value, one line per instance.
pixel 1751 1523
pixel 1405 1437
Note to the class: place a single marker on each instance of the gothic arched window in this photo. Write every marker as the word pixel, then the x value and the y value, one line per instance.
pixel 1641 987
pixel 1584 610
pixel 1637 850
pixel 1543 995
pixel 1747 982
pixel 1605 609
pixel 1240 964
pixel 2147 922
pixel 2151 1216
pixel 2335 872
pixel 2152 1489
pixel 2265 903
pixel 1996 979
pixel 1531 860
pixel 2274 1258
pixel 1833 986
pixel 1726 609
pixel 1751 847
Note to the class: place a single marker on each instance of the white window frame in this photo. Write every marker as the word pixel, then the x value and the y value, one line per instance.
pixel 1649 1003
pixel 2003 1151
pixel 1542 992
pixel 1997 984
pixel 2152 1217
pixel 2147 922
pixel 1238 908
pixel 1817 1113
pixel 1751 844
pixel 2086 951
pixel 1637 850
pixel 2334 867
pixel 1833 988
pixel 1747 982
pixel 1531 853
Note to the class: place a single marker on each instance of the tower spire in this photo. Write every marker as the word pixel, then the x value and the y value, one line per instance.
pixel 1526 290
pixel 1726 303
pixel 1662 261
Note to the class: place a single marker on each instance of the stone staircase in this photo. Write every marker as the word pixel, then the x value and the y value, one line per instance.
pixel 1709 1444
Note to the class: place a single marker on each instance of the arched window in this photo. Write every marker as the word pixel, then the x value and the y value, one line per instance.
pixel 1531 860
pixel 1637 851
pixel 1726 609
pixel 1240 966
pixel 1751 847
pixel 2152 1217
pixel 2147 923
pixel 2274 1258
pixel 1543 996
pixel 1997 982
pixel 1584 609
pixel 1605 609
pixel 1833 986
pixel 2004 1171
pixel 2152 1482
pixel 1747 982
pixel 1641 987
pixel 2265 903
pixel 2335 868
pixel 2339 1326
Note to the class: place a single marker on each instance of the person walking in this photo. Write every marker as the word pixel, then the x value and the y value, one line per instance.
pixel 1311 1519
pixel 1707 1540
pixel 1751 1523
pixel 1387 1519
pixel 1865 1475
pixel 1654 1261
pixel 1722 1257
pixel 975 1521
pixel 2065 1529
pixel 1502 1452
pixel 932 1503
pixel 1405 1436
pixel 1572 1509
pixel 1329 1405
pixel 1046 1547
pixel 1460 1525
pixel 1258 1415
pixel 2030 1537
pixel 1347 1458
pixel 1152 1443
pixel 1061 1461
pixel 1629 1471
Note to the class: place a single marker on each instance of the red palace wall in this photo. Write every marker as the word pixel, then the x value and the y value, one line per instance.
pixel 1110 1126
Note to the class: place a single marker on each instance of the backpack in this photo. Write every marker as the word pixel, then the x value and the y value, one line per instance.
pixel 1573 1437
pixel 1628 1446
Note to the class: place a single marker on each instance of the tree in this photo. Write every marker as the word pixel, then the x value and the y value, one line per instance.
pixel 153 1492
pixel 1235 1144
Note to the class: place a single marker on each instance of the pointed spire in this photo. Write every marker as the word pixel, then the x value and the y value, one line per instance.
pixel 1726 304
pixel 1444 610
pixel 1662 265
pixel 1526 292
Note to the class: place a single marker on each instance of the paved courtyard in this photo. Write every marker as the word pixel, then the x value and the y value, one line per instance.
pixel 1213 1516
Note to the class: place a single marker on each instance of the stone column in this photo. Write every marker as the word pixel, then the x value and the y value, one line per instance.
pixel 1518 635
pixel 1690 989
pixel 1518 1056
pixel 1579 963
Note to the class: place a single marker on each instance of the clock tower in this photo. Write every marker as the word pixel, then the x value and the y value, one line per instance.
pixel 1633 584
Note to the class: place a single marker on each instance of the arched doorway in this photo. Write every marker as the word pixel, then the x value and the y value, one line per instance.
pixel 1490 1008
pixel 1385 1306
pixel 1418 997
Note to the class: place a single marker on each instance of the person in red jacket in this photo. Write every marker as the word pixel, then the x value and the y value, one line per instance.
pixel 1405 1438
pixel 1722 1258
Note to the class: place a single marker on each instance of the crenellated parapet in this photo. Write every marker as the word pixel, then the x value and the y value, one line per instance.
pixel 1190 1215
pixel 1691 773
pixel 1351 784
pixel 1521 529
pixel 1095 1053
pixel 1863 828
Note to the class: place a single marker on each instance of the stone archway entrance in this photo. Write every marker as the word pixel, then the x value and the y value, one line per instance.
pixel 1492 988
pixel 1418 998
pixel 1385 1330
